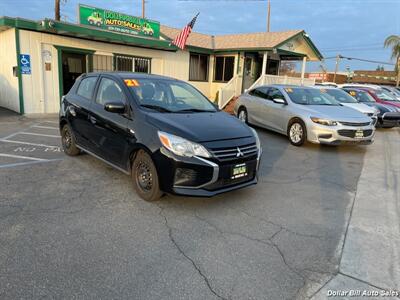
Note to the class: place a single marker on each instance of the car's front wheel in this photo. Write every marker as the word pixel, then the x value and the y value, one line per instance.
pixel 68 141
pixel 297 132
pixel 145 177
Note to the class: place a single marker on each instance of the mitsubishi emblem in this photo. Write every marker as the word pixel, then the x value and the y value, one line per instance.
pixel 239 153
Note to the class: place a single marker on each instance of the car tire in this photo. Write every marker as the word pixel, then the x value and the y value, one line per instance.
pixel 68 141
pixel 145 177
pixel 297 132
pixel 242 115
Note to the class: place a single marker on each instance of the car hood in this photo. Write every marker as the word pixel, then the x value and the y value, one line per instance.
pixel 336 113
pixel 200 127
pixel 383 107
pixel 365 109
pixel 392 103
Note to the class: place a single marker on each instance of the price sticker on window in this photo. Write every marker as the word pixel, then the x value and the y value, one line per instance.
pixel 131 82
pixel 353 93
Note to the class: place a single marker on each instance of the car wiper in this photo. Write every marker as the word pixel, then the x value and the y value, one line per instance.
pixel 156 107
pixel 194 110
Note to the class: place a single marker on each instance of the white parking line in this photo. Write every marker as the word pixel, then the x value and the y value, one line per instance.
pixel 39 134
pixel 22 157
pixel 27 163
pixel 52 122
pixel 44 127
pixel 26 143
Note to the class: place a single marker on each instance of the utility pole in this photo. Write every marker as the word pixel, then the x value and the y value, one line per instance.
pixel 338 57
pixel 143 8
pixel 57 10
pixel 269 16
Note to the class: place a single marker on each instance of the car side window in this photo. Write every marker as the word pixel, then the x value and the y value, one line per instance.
pixel 109 91
pixel 275 94
pixel 260 92
pixel 86 87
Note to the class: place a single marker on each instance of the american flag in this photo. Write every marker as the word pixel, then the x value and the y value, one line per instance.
pixel 180 40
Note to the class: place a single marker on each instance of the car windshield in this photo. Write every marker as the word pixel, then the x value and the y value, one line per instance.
pixel 362 96
pixel 383 95
pixel 341 96
pixel 309 96
pixel 165 95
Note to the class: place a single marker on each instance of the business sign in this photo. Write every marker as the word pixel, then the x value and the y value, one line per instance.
pixel 25 63
pixel 118 22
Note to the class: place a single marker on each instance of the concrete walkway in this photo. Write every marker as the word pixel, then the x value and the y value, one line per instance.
pixel 370 261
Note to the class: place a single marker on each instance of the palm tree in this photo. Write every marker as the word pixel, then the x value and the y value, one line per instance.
pixel 393 41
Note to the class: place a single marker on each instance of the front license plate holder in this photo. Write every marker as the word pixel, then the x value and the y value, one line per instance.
pixel 239 171
pixel 359 134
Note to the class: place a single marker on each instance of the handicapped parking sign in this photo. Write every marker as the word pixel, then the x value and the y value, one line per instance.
pixel 25 62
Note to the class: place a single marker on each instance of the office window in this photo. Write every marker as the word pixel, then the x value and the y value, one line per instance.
pixel 102 63
pixel 224 66
pixel 198 67
pixel 132 64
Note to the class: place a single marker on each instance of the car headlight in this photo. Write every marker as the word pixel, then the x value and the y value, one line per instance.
pixel 258 144
pixel 181 146
pixel 324 121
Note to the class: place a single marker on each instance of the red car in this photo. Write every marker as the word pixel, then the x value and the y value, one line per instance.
pixel 381 96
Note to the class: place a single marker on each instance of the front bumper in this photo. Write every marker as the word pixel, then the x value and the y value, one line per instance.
pixel 202 177
pixel 340 134
pixel 389 119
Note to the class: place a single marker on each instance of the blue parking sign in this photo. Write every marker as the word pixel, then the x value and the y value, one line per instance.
pixel 25 61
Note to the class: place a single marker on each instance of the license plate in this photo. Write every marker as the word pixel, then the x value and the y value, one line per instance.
pixel 359 134
pixel 239 171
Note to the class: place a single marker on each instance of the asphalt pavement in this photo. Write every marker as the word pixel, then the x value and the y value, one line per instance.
pixel 74 227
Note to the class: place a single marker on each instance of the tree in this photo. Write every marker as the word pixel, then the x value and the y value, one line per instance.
pixel 393 42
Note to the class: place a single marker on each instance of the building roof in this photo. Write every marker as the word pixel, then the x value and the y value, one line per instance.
pixel 197 41
pixel 259 40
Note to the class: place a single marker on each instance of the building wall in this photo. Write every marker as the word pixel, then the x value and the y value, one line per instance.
pixel 41 88
pixel 9 95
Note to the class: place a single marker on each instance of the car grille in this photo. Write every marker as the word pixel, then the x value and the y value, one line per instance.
pixel 355 124
pixel 234 152
pixel 351 133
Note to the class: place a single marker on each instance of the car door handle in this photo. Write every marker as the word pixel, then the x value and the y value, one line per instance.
pixel 93 119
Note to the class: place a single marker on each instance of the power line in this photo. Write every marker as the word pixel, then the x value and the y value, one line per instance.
pixel 360 59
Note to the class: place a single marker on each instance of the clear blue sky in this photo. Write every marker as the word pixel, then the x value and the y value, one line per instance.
pixel 354 28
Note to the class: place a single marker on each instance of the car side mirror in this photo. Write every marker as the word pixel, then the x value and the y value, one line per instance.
pixel 279 101
pixel 115 107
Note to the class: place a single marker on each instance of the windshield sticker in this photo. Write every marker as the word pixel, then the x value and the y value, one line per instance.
pixel 353 93
pixel 288 90
pixel 131 82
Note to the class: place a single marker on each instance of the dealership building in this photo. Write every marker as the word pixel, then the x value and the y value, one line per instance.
pixel 40 60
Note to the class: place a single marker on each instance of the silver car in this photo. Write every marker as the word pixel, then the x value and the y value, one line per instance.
pixel 304 114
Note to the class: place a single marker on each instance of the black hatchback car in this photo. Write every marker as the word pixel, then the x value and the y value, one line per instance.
pixel 163 132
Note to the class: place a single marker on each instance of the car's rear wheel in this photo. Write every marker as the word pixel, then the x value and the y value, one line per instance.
pixel 297 132
pixel 242 115
pixel 145 177
pixel 68 141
